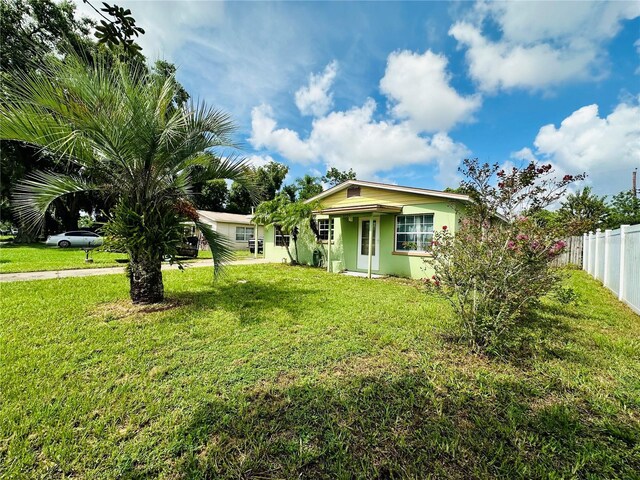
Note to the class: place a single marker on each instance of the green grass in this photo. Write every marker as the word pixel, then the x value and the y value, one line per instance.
pixel 37 257
pixel 288 372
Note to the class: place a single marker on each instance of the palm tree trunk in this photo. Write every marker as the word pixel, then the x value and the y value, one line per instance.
pixel 145 279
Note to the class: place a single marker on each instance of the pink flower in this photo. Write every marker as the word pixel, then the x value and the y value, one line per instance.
pixel 511 245
pixel 522 236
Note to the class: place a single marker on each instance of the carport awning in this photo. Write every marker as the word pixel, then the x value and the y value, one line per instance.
pixel 356 209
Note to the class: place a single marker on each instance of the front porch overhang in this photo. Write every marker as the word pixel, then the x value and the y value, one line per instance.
pixel 359 210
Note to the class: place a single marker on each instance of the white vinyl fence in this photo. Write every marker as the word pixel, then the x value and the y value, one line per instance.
pixel 613 257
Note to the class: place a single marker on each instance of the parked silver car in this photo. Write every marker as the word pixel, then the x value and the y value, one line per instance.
pixel 75 239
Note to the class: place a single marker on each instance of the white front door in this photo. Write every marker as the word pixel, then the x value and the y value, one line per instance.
pixel 363 244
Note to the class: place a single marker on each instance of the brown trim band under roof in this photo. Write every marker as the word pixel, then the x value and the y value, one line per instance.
pixel 359 209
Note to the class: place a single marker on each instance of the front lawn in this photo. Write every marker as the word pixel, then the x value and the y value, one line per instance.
pixel 36 257
pixel 283 372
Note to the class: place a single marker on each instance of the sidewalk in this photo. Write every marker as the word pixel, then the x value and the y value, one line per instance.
pixel 91 272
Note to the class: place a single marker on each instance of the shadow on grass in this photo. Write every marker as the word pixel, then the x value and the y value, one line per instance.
pixel 253 301
pixel 402 426
pixel 544 334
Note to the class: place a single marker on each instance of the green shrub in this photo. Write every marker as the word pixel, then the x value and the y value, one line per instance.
pixel 566 295
pixel 498 264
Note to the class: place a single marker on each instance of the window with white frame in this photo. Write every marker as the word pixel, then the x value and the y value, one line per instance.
pixel 244 234
pixel 414 233
pixel 280 240
pixel 323 229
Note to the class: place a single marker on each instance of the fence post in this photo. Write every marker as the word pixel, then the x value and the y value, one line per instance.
pixel 605 275
pixel 623 229
pixel 589 252
pixel 598 254
pixel 585 248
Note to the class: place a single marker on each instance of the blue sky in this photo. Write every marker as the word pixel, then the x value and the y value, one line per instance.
pixel 402 92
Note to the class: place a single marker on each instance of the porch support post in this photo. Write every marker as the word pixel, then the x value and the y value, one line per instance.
pixel 370 246
pixel 255 241
pixel 255 236
pixel 329 247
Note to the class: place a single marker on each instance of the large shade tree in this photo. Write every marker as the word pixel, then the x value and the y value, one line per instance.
pixel 121 127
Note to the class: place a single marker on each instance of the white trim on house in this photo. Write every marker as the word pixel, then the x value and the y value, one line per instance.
pixel 362 259
pixel 395 188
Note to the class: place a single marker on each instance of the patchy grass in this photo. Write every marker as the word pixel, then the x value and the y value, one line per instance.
pixel 288 372
pixel 38 257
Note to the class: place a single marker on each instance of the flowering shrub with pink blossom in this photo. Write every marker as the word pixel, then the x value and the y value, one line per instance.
pixel 498 262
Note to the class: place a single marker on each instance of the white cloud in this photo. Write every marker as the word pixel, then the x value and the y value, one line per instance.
pixel 353 139
pixel 315 99
pixel 286 142
pixel 419 85
pixel 542 44
pixel 259 160
pixel 606 148
pixel 501 65
pixel 523 154
pixel 528 22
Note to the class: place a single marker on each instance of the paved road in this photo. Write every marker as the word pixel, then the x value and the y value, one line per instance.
pixel 90 272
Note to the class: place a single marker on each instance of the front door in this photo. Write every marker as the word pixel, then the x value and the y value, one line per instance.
pixel 363 244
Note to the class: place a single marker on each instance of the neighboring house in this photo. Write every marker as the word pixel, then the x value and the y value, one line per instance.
pixel 238 228
pixel 375 228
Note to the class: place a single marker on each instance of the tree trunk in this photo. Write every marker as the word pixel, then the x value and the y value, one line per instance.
pixel 145 280
pixel 294 237
pixel 286 246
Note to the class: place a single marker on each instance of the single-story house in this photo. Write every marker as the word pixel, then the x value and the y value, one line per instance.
pixel 238 228
pixel 375 228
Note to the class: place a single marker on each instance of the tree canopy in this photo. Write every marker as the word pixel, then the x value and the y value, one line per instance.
pixel 335 177
pixel 32 31
pixel 583 211
pixel 308 187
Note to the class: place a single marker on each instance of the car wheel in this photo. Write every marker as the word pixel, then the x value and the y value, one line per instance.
pixel 64 243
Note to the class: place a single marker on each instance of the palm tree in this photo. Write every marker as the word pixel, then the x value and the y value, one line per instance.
pixel 120 126
pixel 286 217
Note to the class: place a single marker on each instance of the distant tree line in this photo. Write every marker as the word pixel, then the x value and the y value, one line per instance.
pixel 584 211
pixel 217 196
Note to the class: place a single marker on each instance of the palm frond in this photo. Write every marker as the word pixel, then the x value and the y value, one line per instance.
pixel 32 196
pixel 220 245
